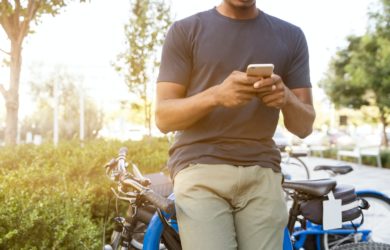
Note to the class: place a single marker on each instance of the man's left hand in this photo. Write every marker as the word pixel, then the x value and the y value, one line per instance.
pixel 273 92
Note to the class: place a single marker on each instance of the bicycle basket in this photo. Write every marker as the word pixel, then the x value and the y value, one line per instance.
pixel 312 209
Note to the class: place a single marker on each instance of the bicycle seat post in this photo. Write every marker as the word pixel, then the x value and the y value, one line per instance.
pixel 293 213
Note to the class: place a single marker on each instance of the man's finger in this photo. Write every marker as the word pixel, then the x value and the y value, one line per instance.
pixel 269 81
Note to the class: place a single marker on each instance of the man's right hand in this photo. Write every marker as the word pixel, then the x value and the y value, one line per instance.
pixel 236 90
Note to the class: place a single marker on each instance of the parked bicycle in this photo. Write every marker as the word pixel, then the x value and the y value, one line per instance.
pixel 162 230
pixel 376 219
pixel 141 198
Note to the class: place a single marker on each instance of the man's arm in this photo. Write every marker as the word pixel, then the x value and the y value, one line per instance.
pixel 299 113
pixel 295 104
pixel 175 111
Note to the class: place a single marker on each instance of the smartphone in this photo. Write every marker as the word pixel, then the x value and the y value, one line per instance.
pixel 264 70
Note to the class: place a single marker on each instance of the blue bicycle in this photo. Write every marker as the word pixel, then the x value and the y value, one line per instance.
pixel 376 218
pixel 304 222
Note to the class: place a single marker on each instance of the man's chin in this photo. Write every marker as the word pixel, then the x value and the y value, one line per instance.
pixel 241 4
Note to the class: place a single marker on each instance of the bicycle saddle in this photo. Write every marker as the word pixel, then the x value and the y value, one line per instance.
pixel 316 188
pixel 344 169
pixel 298 154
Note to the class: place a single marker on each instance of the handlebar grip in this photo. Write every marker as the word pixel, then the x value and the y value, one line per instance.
pixel 123 151
pixel 165 204
pixel 122 159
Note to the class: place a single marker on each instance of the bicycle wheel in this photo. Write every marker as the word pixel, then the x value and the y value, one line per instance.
pixel 136 242
pixel 138 237
pixel 332 241
pixel 294 169
pixel 115 243
pixel 377 217
pixel 364 246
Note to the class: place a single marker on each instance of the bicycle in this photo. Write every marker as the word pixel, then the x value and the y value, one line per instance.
pixel 376 219
pixel 162 230
pixel 314 237
pixel 380 203
pixel 141 198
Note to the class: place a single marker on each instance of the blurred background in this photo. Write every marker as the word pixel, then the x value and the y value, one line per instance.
pixel 81 78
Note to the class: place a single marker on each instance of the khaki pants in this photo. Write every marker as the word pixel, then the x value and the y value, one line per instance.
pixel 222 207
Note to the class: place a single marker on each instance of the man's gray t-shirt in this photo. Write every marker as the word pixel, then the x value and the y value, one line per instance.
pixel 201 51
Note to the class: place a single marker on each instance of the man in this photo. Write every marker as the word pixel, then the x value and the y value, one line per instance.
pixel 224 163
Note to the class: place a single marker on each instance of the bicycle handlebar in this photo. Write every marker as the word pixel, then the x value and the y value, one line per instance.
pixel 122 159
pixel 137 182
pixel 156 199
pixel 163 203
pixel 123 151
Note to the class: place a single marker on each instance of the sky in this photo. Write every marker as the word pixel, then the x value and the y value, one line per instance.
pixel 86 38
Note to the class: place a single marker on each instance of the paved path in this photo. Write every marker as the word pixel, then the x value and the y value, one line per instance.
pixel 362 177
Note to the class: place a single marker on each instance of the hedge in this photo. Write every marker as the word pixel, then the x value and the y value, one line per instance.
pixel 56 197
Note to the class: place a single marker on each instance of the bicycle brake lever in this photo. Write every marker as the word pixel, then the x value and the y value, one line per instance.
pixel 122 197
pixel 140 178
pixel 109 165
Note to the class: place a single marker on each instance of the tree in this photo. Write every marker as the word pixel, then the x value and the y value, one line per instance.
pixel 41 122
pixel 144 36
pixel 359 74
pixel 16 18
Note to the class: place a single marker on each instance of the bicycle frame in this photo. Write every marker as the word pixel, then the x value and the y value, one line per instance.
pixel 155 229
pixel 318 231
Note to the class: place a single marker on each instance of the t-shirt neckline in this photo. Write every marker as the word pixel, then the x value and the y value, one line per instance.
pixel 215 12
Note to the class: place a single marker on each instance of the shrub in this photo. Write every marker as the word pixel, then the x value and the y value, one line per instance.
pixel 56 197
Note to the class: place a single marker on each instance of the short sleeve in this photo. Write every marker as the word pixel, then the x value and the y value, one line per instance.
pixel 176 58
pixel 298 73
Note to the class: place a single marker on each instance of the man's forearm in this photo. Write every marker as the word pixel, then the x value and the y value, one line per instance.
pixel 175 111
pixel 180 113
pixel 298 116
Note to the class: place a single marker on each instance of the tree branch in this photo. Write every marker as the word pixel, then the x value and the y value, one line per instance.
pixel 17 7
pixel 4 18
pixel 8 53
pixel 32 9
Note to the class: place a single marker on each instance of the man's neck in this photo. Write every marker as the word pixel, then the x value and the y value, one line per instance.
pixel 233 12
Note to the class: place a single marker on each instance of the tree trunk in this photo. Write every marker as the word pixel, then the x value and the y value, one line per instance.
pixel 147 114
pixel 12 95
pixel 385 141
pixel 149 118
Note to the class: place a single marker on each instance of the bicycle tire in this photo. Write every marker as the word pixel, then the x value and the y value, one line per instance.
pixel 116 240
pixel 138 237
pixel 295 169
pixel 364 246
pixel 377 217
pixel 137 241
